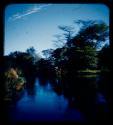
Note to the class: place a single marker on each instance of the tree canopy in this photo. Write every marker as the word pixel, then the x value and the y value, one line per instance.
pixel 80 51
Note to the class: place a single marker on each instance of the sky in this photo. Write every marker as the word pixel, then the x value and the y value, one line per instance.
pixel 28 25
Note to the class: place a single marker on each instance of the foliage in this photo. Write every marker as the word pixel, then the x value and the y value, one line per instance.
pixel 13 82
pixel 65 37
pixel 47 53
pixel 80 51
pixel 69 30
pixel 11 73
pixel 31 50
pixel 89 71
pixel 104 56
pixel 91 32
pixel 45 68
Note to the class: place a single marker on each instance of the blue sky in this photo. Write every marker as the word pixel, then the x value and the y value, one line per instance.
pixel 35 25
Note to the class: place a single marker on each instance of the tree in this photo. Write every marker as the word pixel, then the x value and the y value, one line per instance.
pixel 91 32
pixel 60 41
pixel 24 61
pixel 65 37
pixel 80 52
pixel 89 38
pixel 32 52
pixel 104 56
pixel 47 53
pixel 56 56
pixel 68 32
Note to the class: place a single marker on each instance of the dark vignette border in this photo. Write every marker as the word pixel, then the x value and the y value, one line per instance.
pixel 3 111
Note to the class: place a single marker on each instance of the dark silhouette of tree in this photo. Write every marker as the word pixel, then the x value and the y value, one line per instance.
pixel 47 53
pixel 91 32
pixel 88 40
pixel 81 50
pixel 59 42
pixel 25 62
pixel 65 37
pixel 104 56
pixel 31 51
pixel 68 32
pixel 45 70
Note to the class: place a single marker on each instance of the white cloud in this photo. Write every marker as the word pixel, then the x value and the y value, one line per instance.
pixel 34 9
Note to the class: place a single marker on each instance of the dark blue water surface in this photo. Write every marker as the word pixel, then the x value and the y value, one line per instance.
pixel 43 104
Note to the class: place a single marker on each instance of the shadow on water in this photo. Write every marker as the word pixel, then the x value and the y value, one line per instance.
pixel 43 81
pixel 65 99
pixel 30 85
pixel 81 92
pixel 44 105
pixel 105 88
pixel 89 94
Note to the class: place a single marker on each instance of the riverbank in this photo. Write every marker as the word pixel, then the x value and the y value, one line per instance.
pixel 89 71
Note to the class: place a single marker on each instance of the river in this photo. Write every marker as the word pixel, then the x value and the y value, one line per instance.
pixel 43 104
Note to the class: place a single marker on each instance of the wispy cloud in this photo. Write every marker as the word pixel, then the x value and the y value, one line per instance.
pixel 77 7
pixel 34 9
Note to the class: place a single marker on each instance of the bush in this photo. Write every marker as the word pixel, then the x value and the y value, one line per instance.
pixel 13 82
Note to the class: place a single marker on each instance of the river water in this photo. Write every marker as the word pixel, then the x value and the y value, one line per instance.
pixel 43 104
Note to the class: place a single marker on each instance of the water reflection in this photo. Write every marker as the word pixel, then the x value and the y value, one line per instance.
pixel 73 99
pixel 44 105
